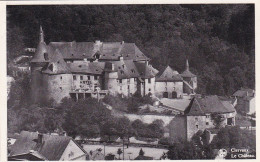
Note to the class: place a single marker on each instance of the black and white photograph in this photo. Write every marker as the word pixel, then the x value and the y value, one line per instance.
pixel 130 82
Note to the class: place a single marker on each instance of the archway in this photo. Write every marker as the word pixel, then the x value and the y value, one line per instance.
pixel 174 94
pixel 165 94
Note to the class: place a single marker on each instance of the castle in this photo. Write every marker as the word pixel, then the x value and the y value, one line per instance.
pixel 95 69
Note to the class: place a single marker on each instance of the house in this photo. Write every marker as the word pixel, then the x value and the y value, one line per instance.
pixel 94 69
pixel 202 113
pixel 245 100
pixel 96 155
pixel 36 146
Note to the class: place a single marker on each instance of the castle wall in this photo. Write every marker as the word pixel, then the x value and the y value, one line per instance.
pixel 127 86
pixel 86 82
pixel 58 86
pixel 37 84
pixel 170 87
pixel 110 82
pixel 196 123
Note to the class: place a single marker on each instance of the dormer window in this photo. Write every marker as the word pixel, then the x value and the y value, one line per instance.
pixel 51 67
pixel 46 56
pixel 122 72
pixel 123 66
pixel 133 71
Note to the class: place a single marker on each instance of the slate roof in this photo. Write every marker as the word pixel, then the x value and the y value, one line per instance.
pixel 168 75
pixel 39 54
pixel 243 92
pixel 187 73
pixel 208 105
pixel 126 69
pixel 87 67
pixel 56 65
pixel 52 147
pixel 177 104
pixel 145 71
pixel 107 50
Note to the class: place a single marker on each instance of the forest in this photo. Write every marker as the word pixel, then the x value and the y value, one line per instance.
pixel 218 40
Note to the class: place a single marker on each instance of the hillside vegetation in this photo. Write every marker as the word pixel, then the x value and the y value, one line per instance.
pixel 218 40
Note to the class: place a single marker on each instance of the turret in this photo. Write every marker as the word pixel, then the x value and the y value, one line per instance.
pixel 41 55
pixel 39 60
pixel 190 80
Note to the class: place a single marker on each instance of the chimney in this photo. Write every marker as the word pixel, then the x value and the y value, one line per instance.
pixel 40 138
pixel 121 58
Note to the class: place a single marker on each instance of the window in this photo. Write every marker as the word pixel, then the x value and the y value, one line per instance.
pixel 61 78
pixel 149 89
pixel 60 88
pixel 207 123
pixel 88 77
pixel 128 87
pixel 95 77
pixel 196 119
pixel 81 77
pixel 120 80
pixel 46 57
pixel 149 80
pixel 74 77
pixel 197 126
pixel 207 116
pixel 121 88
pixel 123 66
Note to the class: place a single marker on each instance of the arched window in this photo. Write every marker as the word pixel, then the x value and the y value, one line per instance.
pixel 46 57
pixel 165 94
pixel 174 94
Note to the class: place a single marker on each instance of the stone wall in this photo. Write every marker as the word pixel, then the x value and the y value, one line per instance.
pixel 170 87
pixel 84 81
pixel 58 86
pixel 110 82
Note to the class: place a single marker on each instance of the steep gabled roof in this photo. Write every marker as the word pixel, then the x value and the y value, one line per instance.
pixel 56 65
pixel 52 147
pixel 87 67
pixel 125 69
pixel 108 50
pixel 168 75
pixel 145 71
pixel 244 92
pixel 208 105
pixel 187 73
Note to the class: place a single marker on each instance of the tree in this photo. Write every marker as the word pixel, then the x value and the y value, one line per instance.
pixel 184 150
pixel 141 152
pixel 119 152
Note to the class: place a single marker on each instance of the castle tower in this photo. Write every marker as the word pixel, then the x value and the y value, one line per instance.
pixel 110 80
pixel 39 60
pixel 189 80
pixel 57 78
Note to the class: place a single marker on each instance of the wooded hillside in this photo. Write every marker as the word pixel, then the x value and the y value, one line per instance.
pixel 218 40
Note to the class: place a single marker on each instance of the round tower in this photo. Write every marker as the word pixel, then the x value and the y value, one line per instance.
pixel 190 80
pixel 57 79
pixel 39 60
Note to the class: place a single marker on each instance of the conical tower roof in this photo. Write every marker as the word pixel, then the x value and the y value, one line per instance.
pixel 187 72
pixel 41 49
